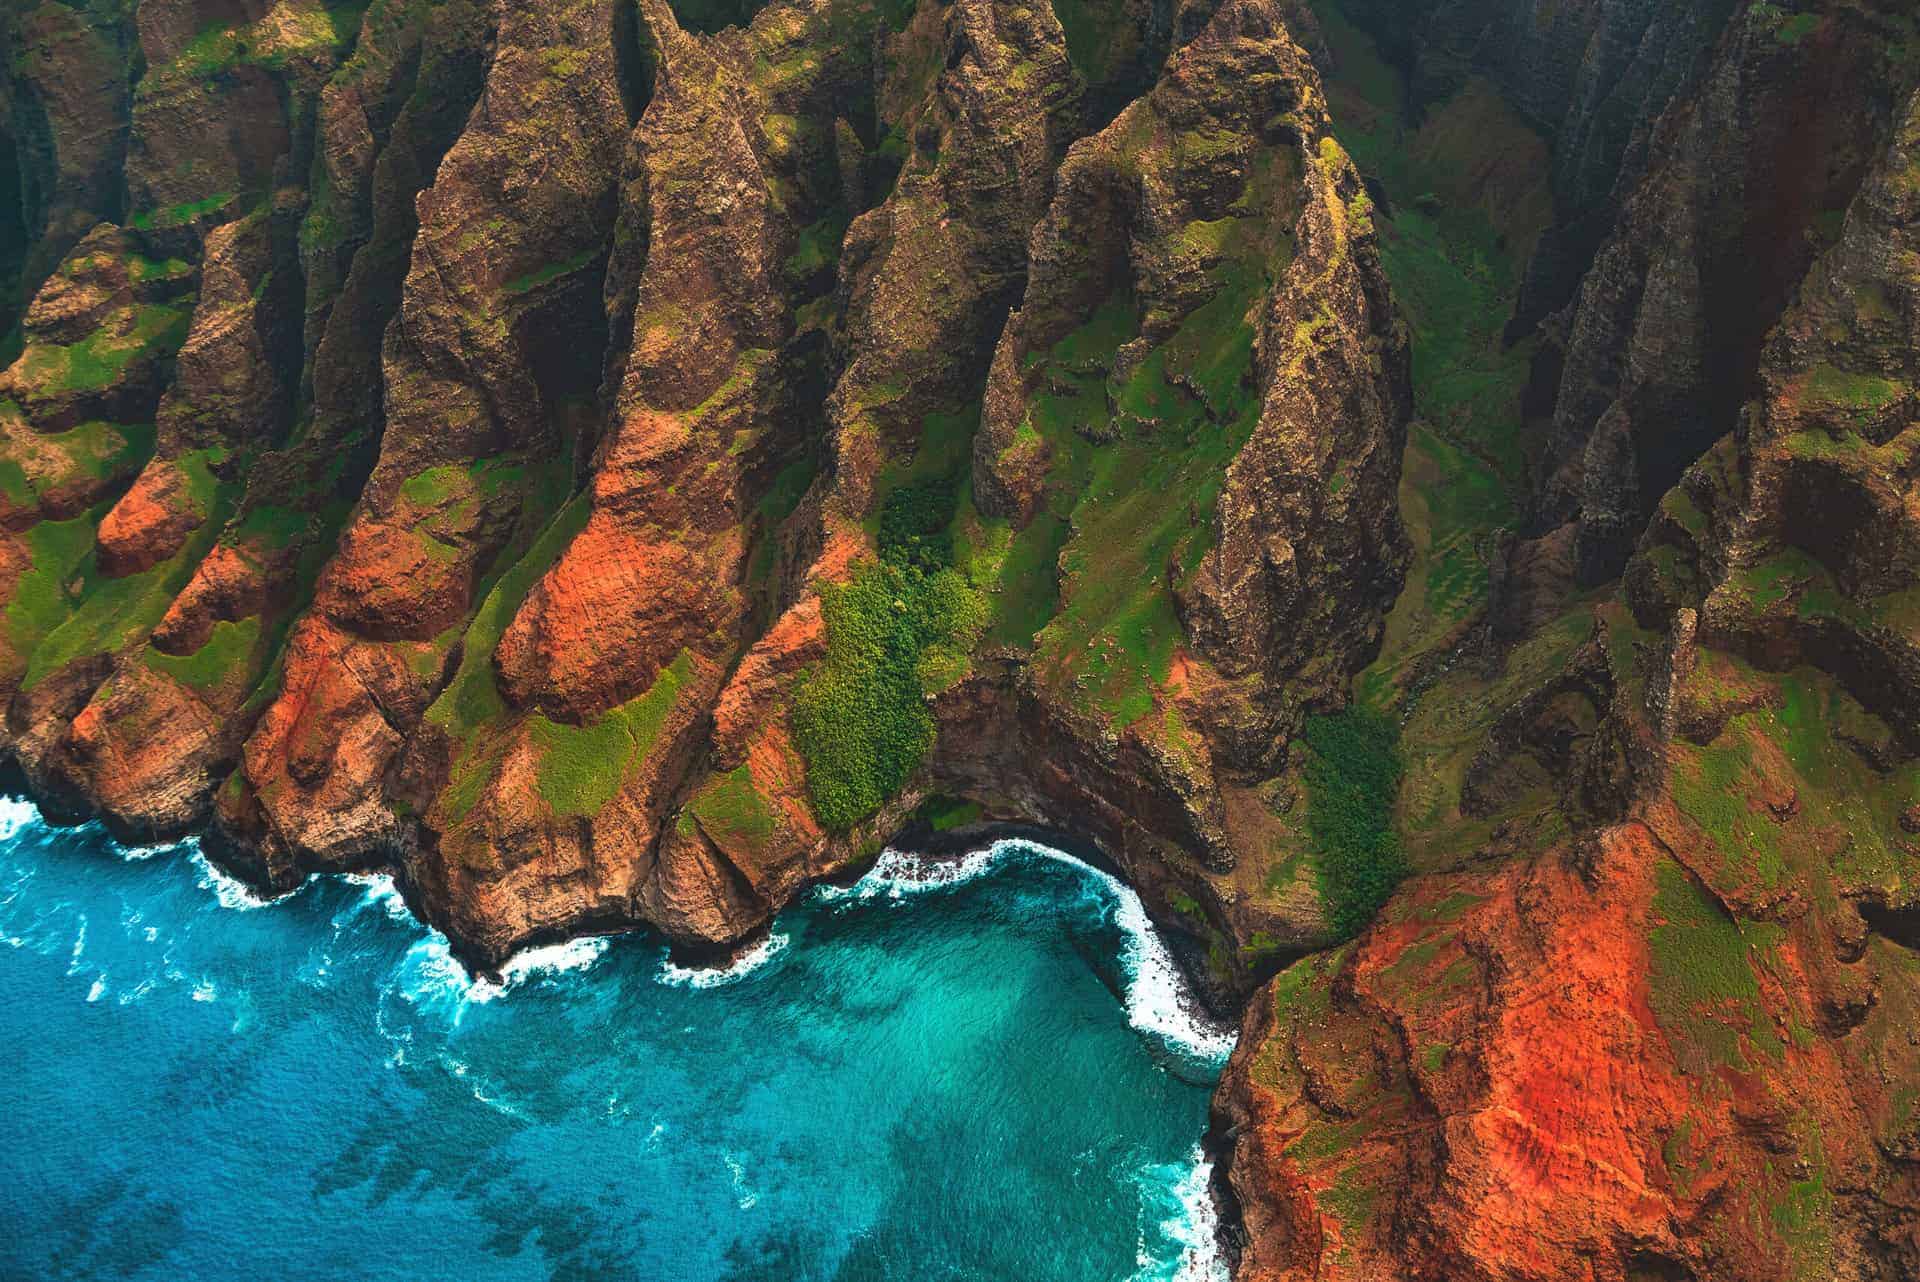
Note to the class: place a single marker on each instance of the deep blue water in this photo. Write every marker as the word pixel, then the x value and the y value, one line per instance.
pixel 989 1074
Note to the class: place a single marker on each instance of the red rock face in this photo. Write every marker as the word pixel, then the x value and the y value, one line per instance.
pixel 150 523
pixel 325 741
pixel 569 652
pixel 1491 1085
pixel 1664 1046
pixel 1520 1136
pixel 614 476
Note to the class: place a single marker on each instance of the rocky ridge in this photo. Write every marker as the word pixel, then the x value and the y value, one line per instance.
pixel 701 513
pixel 1655 1022
pixel 616 464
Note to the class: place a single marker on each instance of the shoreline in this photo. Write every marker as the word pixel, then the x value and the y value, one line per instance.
pixel 895 875
pixel 1219 1003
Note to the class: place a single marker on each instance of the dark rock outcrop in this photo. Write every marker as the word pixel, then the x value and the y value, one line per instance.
pixel 1668 1044
pixel 1745 180
pixel 561 386
pixel 616 474
pixel 1594 76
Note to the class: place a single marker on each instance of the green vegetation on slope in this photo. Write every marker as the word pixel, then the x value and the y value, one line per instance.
pixel 99 359
pixel 861 719
pixel 181 214
pixel 93 451
pixel 1135 470
pixel 1798 741
pixel 1353 772
pixel 1703 989
pixel 582 767
pixel 298 30
pixel 229 650
pixel 56 550
pixel 550 272
pixel 733 812
pixel 898 627
pixel 64 609
pixel 471 699
pixel 1468 199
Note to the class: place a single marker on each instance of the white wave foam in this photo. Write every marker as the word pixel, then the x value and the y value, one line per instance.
pixel 1193 1230
pixel 430 976
pixel 204 991
pixel 1157 1000
pixel 553 959
pixel 380 892
pixel 478 1085
pixel 139 991
pixel 230 891
pixel 79 947
pixel 739 968
pixel 99 987
pixel 1157 997
pixel 746 1198
pixel 188 846
pixel 243 1017
pixel 399 1038
pixel 16 814
pixel 898 874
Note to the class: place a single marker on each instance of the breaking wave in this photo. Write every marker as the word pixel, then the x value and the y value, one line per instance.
pixel 745 963
pixel 1179 1237
pixel 342 989
pixel 1158 999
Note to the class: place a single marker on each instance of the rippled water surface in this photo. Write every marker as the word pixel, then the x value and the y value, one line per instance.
pixel 983 1073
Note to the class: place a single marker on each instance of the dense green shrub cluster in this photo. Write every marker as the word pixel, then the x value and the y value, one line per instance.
pixel 914 521
pixel 1353 774
pixel 861 718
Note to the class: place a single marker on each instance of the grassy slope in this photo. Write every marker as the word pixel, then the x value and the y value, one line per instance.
pixel 1723 986
pixel 1466 193
pixel 1131 484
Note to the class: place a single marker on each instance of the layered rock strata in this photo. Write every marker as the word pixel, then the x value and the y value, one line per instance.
pixel 756 424
pixel 1674 1041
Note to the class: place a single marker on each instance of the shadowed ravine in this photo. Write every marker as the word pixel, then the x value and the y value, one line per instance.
pixel 980 1068
pixel 1428 489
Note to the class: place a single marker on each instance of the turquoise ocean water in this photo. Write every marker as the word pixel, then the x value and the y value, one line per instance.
pixel 982 1070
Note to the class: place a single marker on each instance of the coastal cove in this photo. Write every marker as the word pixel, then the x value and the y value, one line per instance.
pixel 976 1067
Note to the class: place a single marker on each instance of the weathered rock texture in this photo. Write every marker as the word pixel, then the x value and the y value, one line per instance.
pixel 1676 1041
pixel 1592 75
pixel 1746 179
pixel 599 468
pixel 1204 327
pixel 614 473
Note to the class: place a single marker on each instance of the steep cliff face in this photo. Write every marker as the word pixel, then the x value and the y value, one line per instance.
pixel 1747 180
pixel 1673 1040
pixel 1593 76
pixel 1205 304
pixel 732 183
pixel 1702 154
pixel 616 464
pixel 617 467
pixel 66 105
